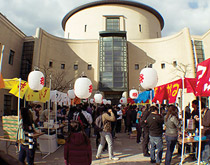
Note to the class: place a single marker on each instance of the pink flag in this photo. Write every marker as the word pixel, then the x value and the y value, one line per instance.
pixel 203 78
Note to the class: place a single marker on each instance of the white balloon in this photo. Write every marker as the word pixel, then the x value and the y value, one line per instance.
pixel 98 98
pixel 133 93
pixel 123 100
pixel 71 94
pixel 124 94
pixel 36 80
pixel 109 102
pixel 83 88
pixel 148 78
pixel 104 101
pixel 92 101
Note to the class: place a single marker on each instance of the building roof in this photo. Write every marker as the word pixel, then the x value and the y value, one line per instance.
pixel 104 2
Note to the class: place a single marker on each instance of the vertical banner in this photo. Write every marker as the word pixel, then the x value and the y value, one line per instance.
pixel 203 78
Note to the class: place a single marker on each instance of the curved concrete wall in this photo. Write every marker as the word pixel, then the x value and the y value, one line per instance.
pixel 130 19
pixel 68 52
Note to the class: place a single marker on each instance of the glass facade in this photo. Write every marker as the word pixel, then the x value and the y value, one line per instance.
pixel 27 57
pixel 112 24
pixel 199 51
pixel 113 63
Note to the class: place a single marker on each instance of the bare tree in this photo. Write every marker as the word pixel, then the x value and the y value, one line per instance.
pixel 59 78
pixel 180 70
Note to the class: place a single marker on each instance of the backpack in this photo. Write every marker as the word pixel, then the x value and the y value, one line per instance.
pixel 99 124
pixel 81 119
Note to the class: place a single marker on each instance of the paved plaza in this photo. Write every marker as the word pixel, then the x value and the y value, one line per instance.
pixel 126 148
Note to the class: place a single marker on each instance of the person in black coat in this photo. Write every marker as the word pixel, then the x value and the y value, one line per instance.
pixel 145 127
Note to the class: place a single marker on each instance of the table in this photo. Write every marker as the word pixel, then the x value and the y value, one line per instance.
pixel 191 141
pixel 10 142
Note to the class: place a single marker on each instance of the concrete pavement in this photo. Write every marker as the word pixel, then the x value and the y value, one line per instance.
pixel 126 148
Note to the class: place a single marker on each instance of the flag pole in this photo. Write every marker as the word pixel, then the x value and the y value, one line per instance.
pixel 19 101
pixel 2 54
pixel 199 144
pixel 183 120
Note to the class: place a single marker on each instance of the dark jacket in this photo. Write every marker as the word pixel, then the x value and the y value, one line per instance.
pixel 144 116
pixel 155 124
pixel 172 125
pixel 206 123
pixel 76 151
pixel 193 115
pixel 128 117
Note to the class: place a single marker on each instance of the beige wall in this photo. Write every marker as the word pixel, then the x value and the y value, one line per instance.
pixel 68 52
pixel 12 38
pixel 165 50
pixel 131 17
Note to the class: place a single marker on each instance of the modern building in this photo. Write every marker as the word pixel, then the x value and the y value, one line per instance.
pixel 110 41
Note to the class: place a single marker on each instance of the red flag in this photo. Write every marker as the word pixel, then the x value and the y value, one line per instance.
pixel 173 89
pixel 203 78
pixel 190 84
pixel 167 92
pixel 160 93
pixel 1 81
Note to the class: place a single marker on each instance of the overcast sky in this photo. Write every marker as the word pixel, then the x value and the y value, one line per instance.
pixel 27 15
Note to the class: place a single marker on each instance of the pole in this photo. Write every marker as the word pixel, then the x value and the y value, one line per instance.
pixel 19 101
pixel 183 121
pixel 199 145
pixel 49 108
pixel 56 131
pixel 2 54
pixel 151 95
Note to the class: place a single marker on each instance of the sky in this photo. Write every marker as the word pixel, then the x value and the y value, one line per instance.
pixel 28 15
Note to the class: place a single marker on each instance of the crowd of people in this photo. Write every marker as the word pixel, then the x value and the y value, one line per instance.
pixel 152 124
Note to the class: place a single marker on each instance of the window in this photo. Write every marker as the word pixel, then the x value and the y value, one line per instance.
pixel 136 66
pixel 75 66
pixel 11 57
pixel 163 66
pixel 7 104
pixel 89 67
pixel 140 27
pixel 150 65
pixel 174 63
pixel 113 24
pixel 113 63
pixel 85 28
pixel 50 64
pixel 62 66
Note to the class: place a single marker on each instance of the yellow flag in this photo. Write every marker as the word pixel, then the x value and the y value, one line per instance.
pixel 44 94
pixel 1 81
pixel 23 88
pixel 30 95
pixel 10 83
pixel 41 96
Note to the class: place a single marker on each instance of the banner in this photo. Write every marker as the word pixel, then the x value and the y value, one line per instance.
pixel 203 79
pixel 10 83
pixel 41 96
pixel 1 81
pixel 23 88
pixel 190 84
pixel 167 91
pixel 144 96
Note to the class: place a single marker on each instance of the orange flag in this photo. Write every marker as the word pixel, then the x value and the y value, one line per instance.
pixel 1 81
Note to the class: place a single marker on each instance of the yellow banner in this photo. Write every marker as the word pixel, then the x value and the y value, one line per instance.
pixel 23 88
pixel 10 83
pixel 41 96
